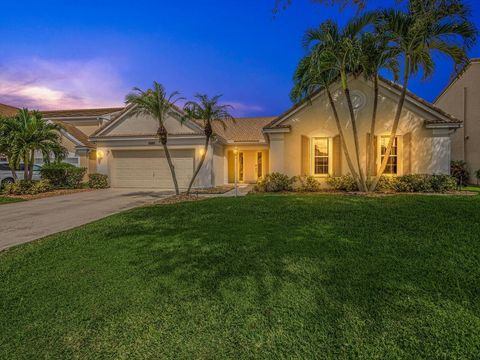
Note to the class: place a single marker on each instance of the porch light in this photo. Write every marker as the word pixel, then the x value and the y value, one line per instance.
pixel 202 151
pixel 100 154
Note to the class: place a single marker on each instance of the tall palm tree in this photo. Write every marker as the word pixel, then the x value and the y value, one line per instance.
pixel 27 133
pixel 156 103
pixel 207 110
pixel 9 128
pixel 340 51
pixel 376 55
pixel 310 78
pixel 416 35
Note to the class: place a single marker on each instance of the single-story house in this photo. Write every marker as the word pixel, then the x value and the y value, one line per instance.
pixel 460 98
pixel 304 140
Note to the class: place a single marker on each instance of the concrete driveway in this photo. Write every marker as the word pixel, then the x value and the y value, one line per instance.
pixel 26 221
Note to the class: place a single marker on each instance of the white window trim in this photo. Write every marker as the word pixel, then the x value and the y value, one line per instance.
pixel 399 154
pixel 312 156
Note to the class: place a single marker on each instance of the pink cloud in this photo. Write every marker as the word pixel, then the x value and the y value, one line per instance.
pixel 241 109
pixel 58 84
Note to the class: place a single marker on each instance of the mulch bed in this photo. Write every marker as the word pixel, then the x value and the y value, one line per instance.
pixel 180 198
pixel 48 194
pixel 222 189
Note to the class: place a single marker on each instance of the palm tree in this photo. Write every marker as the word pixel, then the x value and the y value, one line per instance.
pixel 375 55
pixel 311 78
pixel 207 110
pixel 340 51
pixel 156 103
pixel 416 35
pixel 9 127
pixel 27 133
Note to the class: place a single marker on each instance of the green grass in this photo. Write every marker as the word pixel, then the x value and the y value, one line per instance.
pixel 274 276
pixel 474 188
pixel 6 200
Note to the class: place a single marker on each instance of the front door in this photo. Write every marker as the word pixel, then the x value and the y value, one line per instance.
pixel 259 165
pixel 241 167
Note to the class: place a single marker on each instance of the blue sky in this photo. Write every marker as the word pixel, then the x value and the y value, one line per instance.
pixel 78 54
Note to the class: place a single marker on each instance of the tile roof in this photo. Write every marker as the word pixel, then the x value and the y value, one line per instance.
pixel 80 112
pixel 76 133
pixel 7 110
pixel 242 130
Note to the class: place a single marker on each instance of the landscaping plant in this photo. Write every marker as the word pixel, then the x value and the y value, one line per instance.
pixel 459 170
pixel 63 175
pixel 98 181
pixel 156 103
pixel 206 110
pixel 27 187
pixel 274 182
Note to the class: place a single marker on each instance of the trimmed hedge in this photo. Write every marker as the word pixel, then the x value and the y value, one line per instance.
pixel 274 182
pixel 305 184
pixel 63 175
pixel 98 181
pixel 343 183
pixel 25 187
pixel 421 183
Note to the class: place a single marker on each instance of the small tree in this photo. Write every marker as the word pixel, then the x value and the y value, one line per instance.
pixel 459 170
pixel 207 110
pixel 156 103
pixel 26 133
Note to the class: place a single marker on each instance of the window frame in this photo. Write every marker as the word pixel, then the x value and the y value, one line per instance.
pixel 396 156
pixel 328 156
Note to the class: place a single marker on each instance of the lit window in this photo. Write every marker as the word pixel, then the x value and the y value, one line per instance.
pixel 392 164
pixel 320 156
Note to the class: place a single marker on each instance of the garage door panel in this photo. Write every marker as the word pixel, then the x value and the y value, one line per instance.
pixel 149 168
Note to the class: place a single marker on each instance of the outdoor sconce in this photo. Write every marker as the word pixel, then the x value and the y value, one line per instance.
pixel 100 154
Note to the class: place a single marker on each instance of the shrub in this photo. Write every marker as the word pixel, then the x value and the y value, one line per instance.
pixel 274 182
pixel 98 181
pixel 305 184
pixel 477 175
pixel 417 183
pixel 63 175
pixel 25 187
pixel 459 170
pixel 343 183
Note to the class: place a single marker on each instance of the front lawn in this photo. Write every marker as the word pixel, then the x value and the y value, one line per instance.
pixel 266 276
pixel 6 200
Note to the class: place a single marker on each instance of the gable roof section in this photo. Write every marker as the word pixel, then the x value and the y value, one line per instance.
pixel 241 130
pixel 128 109
pixel 456 77
pixel 443 118
pixel 72 131
pixel 7 110
pixel 80 113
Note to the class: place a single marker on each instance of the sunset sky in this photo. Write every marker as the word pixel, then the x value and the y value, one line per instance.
pixel 80 54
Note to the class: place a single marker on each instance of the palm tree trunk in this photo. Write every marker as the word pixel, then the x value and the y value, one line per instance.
pixel 30 165
pixel 396 121
pixel 163 134
pixel 371 143
pixel 200 164
pixel 25 167
pixel 342 138
pixel 363 186
pixel 11 165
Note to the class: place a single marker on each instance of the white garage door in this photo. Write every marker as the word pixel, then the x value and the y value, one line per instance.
pixel 149 168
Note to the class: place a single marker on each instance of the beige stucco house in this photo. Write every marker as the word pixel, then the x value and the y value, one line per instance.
pixel 303 141
pixel 461 99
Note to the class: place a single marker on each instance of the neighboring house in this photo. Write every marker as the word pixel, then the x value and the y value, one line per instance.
pixel 461 99
pixel 78 126
pixel 303 141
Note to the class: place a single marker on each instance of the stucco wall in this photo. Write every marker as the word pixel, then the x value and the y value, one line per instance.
pixel 140 124
pixel 465 141
pixel 430 154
